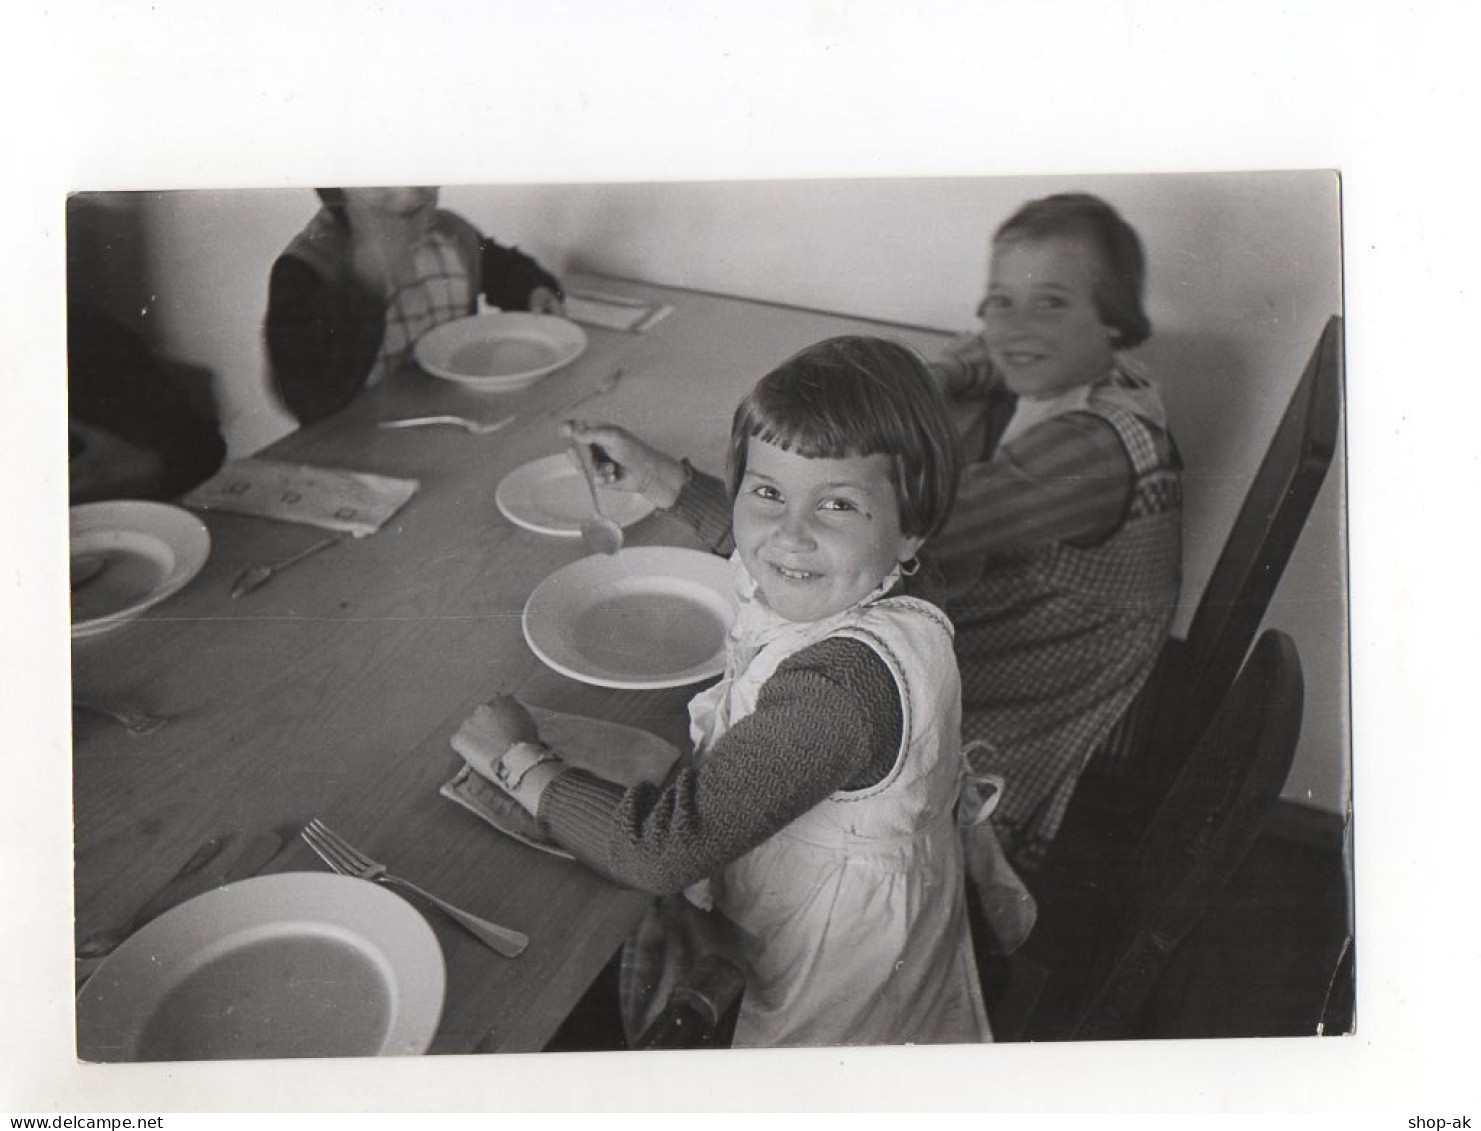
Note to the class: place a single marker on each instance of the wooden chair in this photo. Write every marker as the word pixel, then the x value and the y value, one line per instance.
pixel 1199 835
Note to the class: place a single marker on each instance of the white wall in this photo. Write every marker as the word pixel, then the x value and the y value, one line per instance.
pixel 1244 271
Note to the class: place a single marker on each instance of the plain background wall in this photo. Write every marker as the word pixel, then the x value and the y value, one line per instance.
pixel 1244 271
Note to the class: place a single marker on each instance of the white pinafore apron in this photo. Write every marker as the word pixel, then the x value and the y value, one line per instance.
pixel 851 922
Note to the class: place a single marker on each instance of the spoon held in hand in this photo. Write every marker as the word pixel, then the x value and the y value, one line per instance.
pixel 600 533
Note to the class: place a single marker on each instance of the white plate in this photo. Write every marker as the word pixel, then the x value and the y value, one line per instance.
pixel 500 352
pixel 151 551
pixel 549 496
pixel 296 964
pixel 647 617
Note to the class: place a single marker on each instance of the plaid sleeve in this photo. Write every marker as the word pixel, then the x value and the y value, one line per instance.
pixel 1068 479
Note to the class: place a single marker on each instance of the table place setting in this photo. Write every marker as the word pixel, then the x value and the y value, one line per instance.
pixel 500 351
pixel 224 962
pixel 550 496
pixel 646 618
pixel 293 964
pixel 128 556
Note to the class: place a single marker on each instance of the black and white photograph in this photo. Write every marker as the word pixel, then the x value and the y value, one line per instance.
pixel 554 625
pixel 980 677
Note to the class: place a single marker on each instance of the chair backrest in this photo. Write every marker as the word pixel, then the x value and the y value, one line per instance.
pixel 1203 829
pixel 1259 545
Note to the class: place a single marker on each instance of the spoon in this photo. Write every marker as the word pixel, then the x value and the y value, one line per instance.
pixel 256 576
pixel 85 567
pixel 600 533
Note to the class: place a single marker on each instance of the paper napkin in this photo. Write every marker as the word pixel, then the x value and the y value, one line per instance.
pixel 352 501
pixel 614 312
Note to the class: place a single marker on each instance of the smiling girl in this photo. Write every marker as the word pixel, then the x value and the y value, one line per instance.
pixel 1065 541
pixel 818 802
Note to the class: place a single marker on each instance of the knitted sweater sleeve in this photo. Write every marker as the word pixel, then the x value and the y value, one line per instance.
pixel 703 505
pixel 828 719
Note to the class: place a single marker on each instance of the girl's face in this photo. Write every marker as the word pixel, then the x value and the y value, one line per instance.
pixel 1040 319
pixel 818 535
pixel 410 208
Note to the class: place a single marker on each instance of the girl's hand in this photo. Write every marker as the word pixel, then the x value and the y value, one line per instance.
pixel 501 743
pixel 625 463
pixel 488 733
pixel 543 300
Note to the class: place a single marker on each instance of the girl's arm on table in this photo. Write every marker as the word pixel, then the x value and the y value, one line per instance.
pixel 829 719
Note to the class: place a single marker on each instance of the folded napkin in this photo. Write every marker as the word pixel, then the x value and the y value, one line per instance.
pixel 352 501
pixel 615 752
pixel 614 312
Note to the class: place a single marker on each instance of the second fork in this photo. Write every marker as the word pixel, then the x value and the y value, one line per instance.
pixel 344 858
pixel 476 427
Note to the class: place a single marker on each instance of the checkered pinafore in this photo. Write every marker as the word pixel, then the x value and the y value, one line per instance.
pixel 1053 644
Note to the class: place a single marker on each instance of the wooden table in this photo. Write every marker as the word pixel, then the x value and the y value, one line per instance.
pixel 333 690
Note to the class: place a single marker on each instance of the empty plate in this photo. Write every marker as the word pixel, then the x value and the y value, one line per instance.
pixel 129 555
pixel 296 964
pixel 500 352
pixel 549 496
pixel 646 617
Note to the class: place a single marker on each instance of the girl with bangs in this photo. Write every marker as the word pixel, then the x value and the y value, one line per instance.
pixel 814 821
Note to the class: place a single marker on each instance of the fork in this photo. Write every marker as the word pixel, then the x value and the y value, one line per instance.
pixel 347 860
pixel 477 427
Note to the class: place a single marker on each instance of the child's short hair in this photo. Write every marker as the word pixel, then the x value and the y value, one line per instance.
pixel 1121 280
pixel 858 396
pixel 333 200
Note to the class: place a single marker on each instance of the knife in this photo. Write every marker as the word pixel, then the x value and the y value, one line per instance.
pixel 253 858
pixel 182 885
pixel 185 884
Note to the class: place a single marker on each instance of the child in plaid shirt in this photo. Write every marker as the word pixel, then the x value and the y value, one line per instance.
pixel 374 270
pixel 1065 543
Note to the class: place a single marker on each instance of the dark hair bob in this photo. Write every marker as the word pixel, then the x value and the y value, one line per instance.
pixel 858 396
